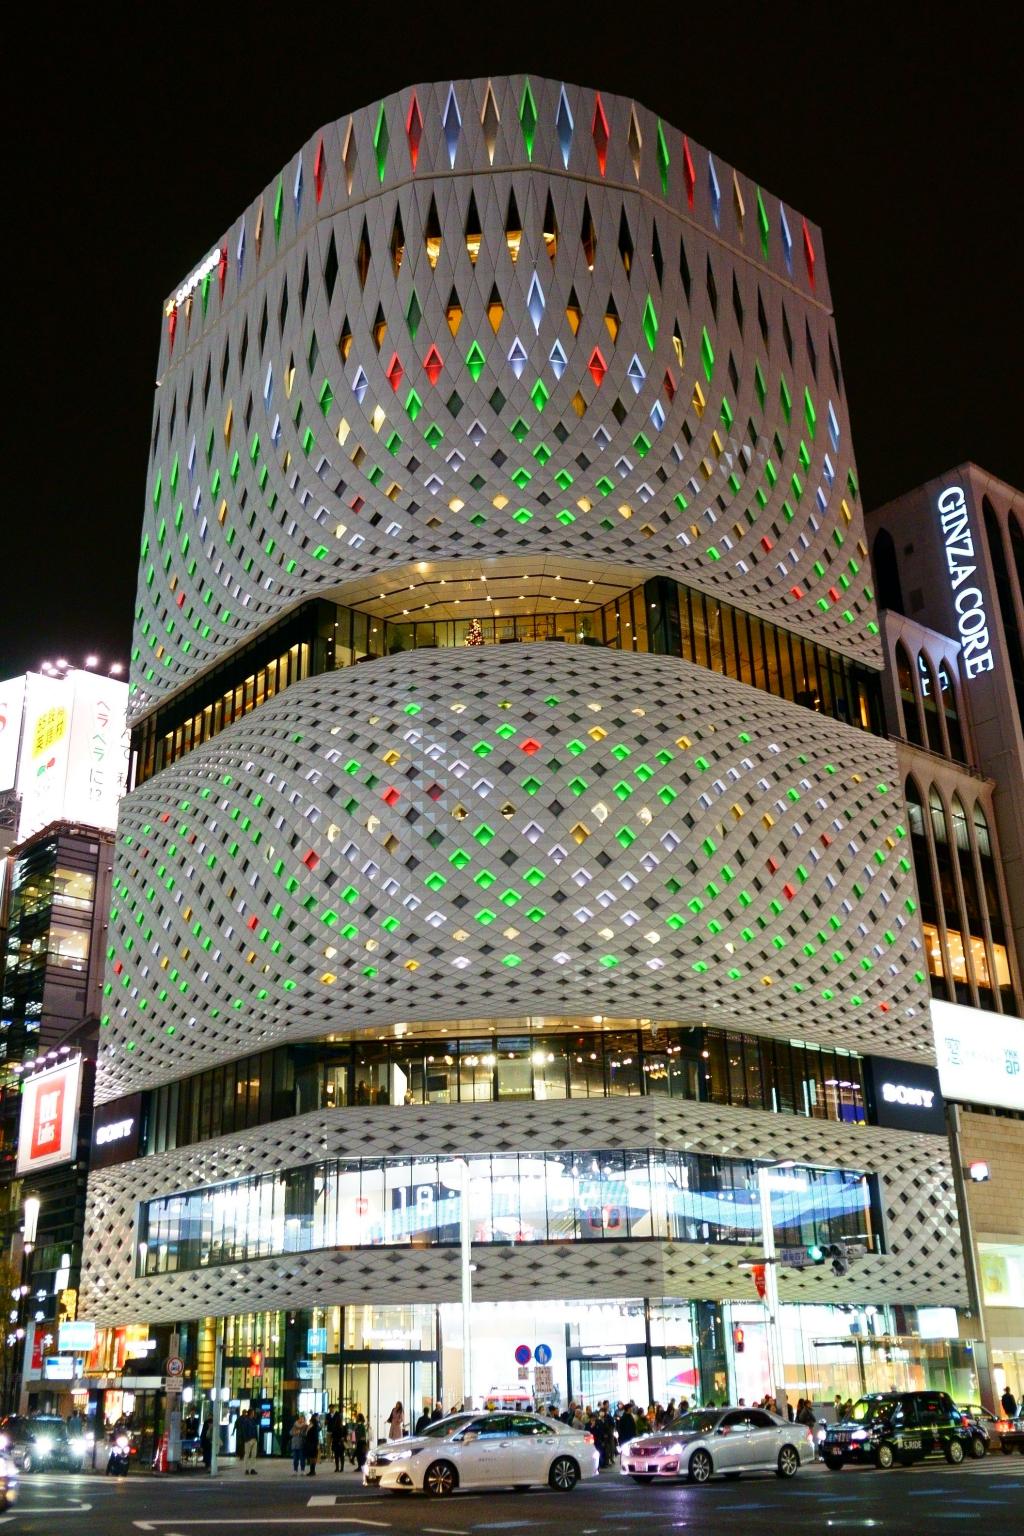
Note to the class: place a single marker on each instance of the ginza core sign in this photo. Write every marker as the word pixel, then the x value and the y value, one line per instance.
pixel 971 618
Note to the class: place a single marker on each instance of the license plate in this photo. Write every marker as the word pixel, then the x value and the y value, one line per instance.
pixel 912 1444
pixel 639 1466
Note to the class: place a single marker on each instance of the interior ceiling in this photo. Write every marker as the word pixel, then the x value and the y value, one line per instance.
pixel 457 589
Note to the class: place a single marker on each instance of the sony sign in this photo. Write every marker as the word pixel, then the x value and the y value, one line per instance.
pixel 115 1131
pixel 119 1130
pixel 971 618
pixel 904 1095
pixel 899 1093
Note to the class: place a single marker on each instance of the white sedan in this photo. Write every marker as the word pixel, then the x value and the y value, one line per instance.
pixel 484 1450
pixel 709 1441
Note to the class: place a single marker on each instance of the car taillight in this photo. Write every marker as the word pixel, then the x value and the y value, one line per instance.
pixel 965 1421
pixel 810 1434
pixel 588 1439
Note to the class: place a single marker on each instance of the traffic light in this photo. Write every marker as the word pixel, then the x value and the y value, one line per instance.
pixel 840 1260
pixel 815 1253
pixel 737 1340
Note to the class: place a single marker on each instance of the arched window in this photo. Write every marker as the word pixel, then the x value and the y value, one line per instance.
pixel 908 697
pixel 930 701
pixel 1017 546
pixel 947 693
pixel 887 575
pixel 921 850
pixel 994 908
pixel 1004 591
pixel 948 896
pixel 972 901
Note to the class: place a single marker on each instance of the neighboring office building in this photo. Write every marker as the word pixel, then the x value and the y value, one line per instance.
pixel 51 981
pixel 625 923
pixel 950 555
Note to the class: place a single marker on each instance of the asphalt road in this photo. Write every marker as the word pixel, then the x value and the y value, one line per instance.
pixel 930 1497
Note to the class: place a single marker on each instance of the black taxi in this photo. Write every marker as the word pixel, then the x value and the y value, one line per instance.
pixel 898 1426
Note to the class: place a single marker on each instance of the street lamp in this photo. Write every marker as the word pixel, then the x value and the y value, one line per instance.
pixel 767 1178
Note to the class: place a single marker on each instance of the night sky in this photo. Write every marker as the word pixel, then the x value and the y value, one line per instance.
pixel 132 149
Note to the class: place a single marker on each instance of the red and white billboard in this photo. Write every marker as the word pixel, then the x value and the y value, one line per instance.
pixel 48 1132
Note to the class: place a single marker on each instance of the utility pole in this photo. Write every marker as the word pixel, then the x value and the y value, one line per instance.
pixel 218 1372
pixel 466 1236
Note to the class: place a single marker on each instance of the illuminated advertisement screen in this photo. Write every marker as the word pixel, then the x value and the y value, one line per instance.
pixel 48 1131
pixel 980 1055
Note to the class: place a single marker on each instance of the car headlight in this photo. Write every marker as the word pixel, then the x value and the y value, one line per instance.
pixel 79 1445
pixel 859 1434
pixel 401 1455
pixel 673 1450
pixel 44 1445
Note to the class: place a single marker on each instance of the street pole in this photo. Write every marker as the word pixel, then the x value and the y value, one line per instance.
pixel 174 1414
pixel 218 1371
pixel 986 1386
pixel 773 1332
pixel 466 1237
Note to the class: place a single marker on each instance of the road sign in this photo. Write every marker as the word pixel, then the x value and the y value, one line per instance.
pixel 543 1380
pixel 523 1354
pixel 175 1366
pixel 173 1383
pixel 542 1354
pixel 524 1372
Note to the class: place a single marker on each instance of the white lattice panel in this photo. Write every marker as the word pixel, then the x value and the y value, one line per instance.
pixel 600 344
pixel 921 1264
pixel 447 834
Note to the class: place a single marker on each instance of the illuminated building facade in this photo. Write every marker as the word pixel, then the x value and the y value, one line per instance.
pixel 506 699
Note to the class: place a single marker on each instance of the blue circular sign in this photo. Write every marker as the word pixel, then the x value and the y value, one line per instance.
pixel 523 1354
pixel 542 1354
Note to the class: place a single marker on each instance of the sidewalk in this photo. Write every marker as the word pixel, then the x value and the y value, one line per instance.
pixel 277 1469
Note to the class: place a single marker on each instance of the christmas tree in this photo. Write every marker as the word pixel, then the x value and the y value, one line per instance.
pixel 475 633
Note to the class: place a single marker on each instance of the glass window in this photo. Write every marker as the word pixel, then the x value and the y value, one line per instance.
pixel 476 1070
pixel 514 1069
pixel 550 1068
pixel 623 1061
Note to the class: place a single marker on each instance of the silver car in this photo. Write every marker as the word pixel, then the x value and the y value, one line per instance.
pixel 708 1441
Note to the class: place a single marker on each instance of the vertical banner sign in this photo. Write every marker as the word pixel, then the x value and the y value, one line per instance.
pixel 48 1131
pixel 98 751
pixel 44 756
pixel 12 703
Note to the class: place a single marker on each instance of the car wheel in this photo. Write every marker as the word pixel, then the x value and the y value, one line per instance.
pixel 834 1463
pixel 637 1478
pixel 28 1463
pixel 440 1479
pixel 700 1468
pixel 979 1448
pixel 564 1474
pixel 789 1462
pixel 955 1452
pixel 884 1457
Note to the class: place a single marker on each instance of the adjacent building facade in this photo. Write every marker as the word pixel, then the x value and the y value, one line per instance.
pixel 949 563
pixel 513 822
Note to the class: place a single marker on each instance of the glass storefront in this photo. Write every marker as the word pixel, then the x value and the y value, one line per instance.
pixel 471 1063
pixel 586 1196
pixel 661 616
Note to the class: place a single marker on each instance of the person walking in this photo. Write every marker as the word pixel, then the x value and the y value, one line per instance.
pixel 361 1440
pixel 337 1431
pixel 396 1422
pixel 423 1420
pixel 298 1444
pixel 311 1445
pixel 248 1434
pixel 805 1414
pixel 206 1442
pixel 1008 1403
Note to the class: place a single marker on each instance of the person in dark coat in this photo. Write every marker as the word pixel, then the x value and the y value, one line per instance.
pixel 336 1430
pixel 626 1425
pixel 206 1443
pixel 361 1439
pixel 1008 1403
pixel 311 1445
